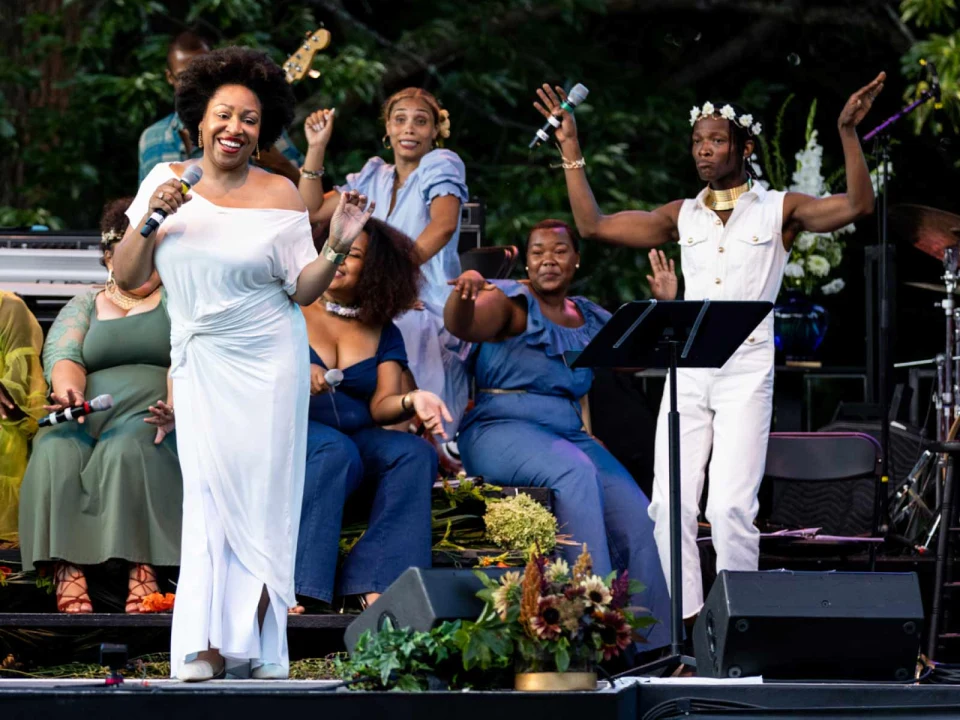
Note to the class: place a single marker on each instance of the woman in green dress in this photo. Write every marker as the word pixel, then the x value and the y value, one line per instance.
pixel 107 486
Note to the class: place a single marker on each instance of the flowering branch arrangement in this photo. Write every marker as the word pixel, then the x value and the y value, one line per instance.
pixel 814 256
pixel 556 618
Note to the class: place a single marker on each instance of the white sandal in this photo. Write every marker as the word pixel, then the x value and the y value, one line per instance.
pixel 269 671
pixel 200 670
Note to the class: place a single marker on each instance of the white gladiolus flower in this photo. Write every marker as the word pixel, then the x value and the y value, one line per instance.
pixel 756 129
pixel 818 265
pixel 694 115
pixel 728 113
pixel 708 109
pixel 833 287
pixel 805 242
pixel 745 121
pixel 794 270
pixel 808 178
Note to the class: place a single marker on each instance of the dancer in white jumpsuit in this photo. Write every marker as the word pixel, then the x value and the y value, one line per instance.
pixel 235 261
pixel 735 239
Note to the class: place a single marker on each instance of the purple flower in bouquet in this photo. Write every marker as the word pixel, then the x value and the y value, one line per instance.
pixel 620 588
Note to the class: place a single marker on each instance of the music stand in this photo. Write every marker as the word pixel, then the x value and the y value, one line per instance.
pixel 671 335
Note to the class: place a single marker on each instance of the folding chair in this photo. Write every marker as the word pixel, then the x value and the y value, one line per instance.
pixel 829 481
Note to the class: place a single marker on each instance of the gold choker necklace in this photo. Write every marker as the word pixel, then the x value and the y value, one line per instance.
pixel 726 199
pixel 121 299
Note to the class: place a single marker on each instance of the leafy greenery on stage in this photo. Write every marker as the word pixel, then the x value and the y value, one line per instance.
pixel 80 79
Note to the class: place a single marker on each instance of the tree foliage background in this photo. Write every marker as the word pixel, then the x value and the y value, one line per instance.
pixel 80 79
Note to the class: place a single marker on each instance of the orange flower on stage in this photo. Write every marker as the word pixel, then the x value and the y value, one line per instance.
pixel 157 602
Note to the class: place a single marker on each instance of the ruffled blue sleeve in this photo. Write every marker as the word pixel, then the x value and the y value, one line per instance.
pixel 391 346
pixel 555 339
pixel 442 173
pixel 361 181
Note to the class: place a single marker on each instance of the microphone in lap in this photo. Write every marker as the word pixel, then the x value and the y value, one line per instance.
pixel 101 402
pixel 190 178
pixel 578 93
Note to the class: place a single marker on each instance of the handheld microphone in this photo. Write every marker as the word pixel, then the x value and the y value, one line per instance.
pixel 190 178
pixel 578 93
pixel 101 402
pixel 333 377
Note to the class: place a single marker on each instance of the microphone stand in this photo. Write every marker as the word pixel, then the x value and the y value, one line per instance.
pixel 882 135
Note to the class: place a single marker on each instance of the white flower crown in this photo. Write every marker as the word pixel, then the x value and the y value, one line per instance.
pixel 727 113
pixel 110 236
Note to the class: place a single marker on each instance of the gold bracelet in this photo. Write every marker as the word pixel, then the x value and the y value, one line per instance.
pixel 403 403
pixel 311 174
pixel 573 165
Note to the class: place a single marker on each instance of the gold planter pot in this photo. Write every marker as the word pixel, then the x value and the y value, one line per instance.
pixel 555 681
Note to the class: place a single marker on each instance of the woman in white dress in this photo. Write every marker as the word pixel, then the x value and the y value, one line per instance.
pixel 236 257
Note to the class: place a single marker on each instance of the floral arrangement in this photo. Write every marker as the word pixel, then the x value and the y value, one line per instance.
pixel 519 523
pixel 814 256
pixel 556 617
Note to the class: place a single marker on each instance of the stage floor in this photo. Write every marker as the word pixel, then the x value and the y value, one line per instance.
pixel 630 699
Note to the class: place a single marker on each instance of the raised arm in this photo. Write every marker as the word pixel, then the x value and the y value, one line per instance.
pixel 479 312
pixel 318 128
pixel 633 228
pixel 804 212
pixel 347 223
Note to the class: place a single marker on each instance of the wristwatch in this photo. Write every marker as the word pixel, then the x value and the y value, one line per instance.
pixel 332 255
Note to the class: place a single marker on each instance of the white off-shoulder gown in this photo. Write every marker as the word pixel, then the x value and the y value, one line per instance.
pixel 241 387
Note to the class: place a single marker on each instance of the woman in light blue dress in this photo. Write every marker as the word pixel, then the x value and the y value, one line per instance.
pixel 420 195
pixel 527 427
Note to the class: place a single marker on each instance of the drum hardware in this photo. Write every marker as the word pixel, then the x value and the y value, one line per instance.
pixel 914 508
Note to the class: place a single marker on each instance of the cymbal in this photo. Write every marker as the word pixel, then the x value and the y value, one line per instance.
pixel 929 230
pixel 942 289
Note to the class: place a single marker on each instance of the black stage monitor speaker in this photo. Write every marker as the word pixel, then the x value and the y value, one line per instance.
pixel 810 625
pixel 420 599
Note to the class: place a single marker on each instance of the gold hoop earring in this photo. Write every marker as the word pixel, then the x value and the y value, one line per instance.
pixel 200 138
pixel 386 142
pixel 111 284
pixel 257 151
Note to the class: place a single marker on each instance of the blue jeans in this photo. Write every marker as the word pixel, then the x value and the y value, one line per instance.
pixel 596 501
pixel 398 471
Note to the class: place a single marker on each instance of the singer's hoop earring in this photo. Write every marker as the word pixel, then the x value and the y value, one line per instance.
pixel 200 138
pixel 257 151
pixel 111 284
pixel 386 142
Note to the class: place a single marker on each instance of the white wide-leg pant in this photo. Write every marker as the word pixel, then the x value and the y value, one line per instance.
pixel 728 410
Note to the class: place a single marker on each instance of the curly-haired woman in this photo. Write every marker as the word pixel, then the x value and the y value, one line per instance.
pixel 108 486
pixel 351 328
pixel 236 257
pixel 420 195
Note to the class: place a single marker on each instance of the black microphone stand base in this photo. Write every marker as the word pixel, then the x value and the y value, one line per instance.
pixel 671 662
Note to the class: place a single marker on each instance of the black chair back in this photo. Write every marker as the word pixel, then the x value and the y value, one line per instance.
pixel 824 480
pixel 494 263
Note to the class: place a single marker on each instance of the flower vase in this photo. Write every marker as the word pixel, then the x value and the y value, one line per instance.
pixel 538 672
pixel 800 325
